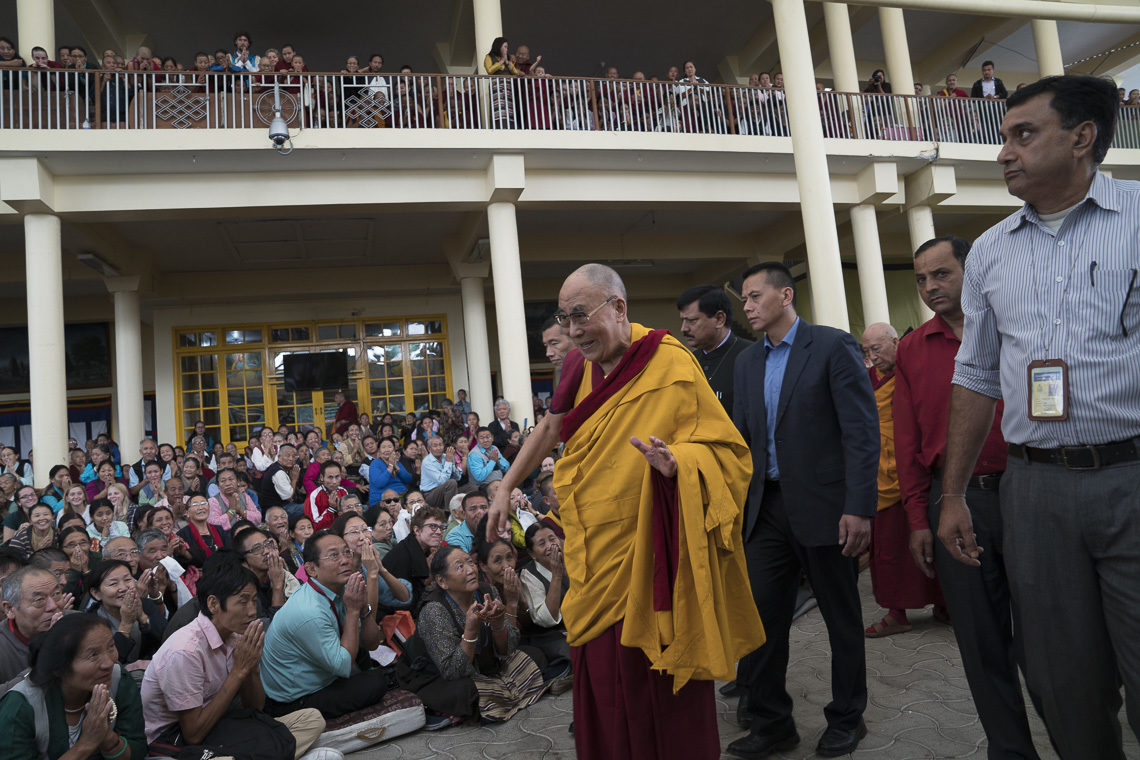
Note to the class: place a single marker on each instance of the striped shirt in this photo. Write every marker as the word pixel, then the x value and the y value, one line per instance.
pixel 1030 293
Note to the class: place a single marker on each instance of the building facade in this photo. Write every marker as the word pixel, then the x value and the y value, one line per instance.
pixel 422 223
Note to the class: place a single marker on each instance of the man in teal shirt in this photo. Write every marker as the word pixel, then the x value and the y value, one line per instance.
pixel 312 644
pixel 485 462
pixel 463 534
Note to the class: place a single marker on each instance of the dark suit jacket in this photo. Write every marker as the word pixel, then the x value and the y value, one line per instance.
pixel 502 435
pixel 999 89
pixel 827 433
pixel 407 561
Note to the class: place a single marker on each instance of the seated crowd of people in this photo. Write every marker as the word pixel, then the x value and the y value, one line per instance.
pixel 525 96
pixel 243 600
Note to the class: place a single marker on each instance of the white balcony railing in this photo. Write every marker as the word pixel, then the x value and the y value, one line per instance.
pixel 68 99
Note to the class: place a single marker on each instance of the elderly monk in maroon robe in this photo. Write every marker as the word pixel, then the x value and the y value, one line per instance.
pixel 897 582
pixel 651 490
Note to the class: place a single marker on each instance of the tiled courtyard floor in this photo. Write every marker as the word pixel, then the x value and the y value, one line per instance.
pixel 920 706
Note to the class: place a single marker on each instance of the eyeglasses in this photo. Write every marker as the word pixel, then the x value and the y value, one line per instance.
pixel 433 527
pixel 336 555
pixel 122 554
pixel 580 318
pixel 392 501
pixel 415 503
pixel 357 532
pixel 259 548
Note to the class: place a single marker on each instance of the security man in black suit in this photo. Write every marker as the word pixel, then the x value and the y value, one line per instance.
pixel 804 404
pixel 706 325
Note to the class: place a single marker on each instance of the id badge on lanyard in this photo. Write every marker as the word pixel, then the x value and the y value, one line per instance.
pixel 1048 390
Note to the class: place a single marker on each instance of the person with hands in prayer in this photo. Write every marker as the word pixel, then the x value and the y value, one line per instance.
pixel 314 641
pixel 73 673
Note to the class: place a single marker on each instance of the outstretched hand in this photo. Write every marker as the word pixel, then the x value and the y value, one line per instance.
pixel 658 455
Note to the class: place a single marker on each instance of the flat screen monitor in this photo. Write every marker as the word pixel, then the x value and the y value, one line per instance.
pixel 316 372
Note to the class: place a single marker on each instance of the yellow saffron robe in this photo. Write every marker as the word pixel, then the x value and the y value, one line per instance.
pixel 890 493
pixel 604 489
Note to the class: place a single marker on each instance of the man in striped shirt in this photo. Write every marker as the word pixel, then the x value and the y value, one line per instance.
pixel 1052 325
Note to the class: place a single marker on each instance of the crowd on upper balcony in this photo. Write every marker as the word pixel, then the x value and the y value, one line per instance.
pixel 520 93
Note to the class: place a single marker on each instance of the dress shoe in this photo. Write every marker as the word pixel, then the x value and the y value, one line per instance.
pixel 731 689
pixel 756 746
pixel 839 741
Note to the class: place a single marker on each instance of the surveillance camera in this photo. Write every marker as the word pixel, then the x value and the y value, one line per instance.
pixel 278 132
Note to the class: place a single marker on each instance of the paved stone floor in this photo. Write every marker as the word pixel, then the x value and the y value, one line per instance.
pixel 920 706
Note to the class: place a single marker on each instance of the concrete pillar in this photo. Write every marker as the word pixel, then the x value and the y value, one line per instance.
pixel 899 70
pixel 35 25
pixel 840 47
pixel 920 223
pixel 478 348
pixel 869 260
pixel 47 368
pixel 129 424
pixel 488 26
pixel 510 316
pixel 1048 45
pixel 829 302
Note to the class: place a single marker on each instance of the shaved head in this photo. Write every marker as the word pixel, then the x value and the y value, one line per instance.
pixel 593 303
pixel 880 343
pixel 604 278
pixel 880 330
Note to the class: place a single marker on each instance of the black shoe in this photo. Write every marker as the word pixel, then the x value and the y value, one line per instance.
pixel 731 689
pixel 840 741
pixel 571 729
pixel 756 746
pixel 743 716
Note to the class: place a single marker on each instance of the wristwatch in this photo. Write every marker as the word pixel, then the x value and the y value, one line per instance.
pixel 366 611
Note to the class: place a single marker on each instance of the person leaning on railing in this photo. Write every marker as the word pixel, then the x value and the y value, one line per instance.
pixel 9 59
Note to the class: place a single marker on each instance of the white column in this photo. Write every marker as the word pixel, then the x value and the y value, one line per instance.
pixel 869 260
pixel 829 302
pixel 488 26
pixel 840 47
pixel 129 424
pixel 478 348
pixel 1048 45
pixel 510 316
pixel 920 223
pixel 35 25
pixel 47 368
pixel 893 29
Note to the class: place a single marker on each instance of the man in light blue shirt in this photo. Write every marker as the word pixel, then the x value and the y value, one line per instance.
pixel 439 475
pixel 463 534
pixel 315 638
pixel 774 366
pixel 486 463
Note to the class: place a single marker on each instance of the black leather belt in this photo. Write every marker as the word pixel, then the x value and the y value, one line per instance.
pixel 1080 457
pixel 985 482
pixel 980 482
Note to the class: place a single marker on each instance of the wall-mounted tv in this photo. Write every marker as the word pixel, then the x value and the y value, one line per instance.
pixel 316 372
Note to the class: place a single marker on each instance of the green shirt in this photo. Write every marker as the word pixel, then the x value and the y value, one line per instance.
pixel 18 739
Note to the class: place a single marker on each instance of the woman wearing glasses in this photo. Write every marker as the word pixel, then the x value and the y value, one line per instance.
pixel 392 592
pixel 202 538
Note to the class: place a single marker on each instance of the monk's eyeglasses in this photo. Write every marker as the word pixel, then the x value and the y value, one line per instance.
pixel 580 318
